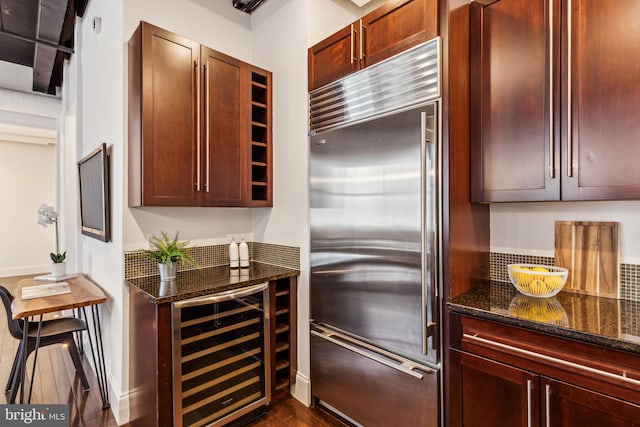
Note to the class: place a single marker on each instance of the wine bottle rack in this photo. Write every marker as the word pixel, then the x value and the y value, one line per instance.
pixel 283 344
pixel 261 136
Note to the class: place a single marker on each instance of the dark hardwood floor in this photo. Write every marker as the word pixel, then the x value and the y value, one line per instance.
pixel 291 413
pixel 55 381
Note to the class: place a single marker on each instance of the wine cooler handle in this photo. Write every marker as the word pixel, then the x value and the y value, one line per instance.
pixel 222 296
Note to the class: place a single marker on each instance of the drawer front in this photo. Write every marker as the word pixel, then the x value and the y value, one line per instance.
pixel 369 392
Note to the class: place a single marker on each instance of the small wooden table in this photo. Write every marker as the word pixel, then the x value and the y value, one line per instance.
pixel 84 293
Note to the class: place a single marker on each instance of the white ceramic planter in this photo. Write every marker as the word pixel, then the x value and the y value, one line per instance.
pixel 58 269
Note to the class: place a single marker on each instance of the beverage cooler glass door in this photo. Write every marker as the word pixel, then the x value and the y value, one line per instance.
pixel 220 356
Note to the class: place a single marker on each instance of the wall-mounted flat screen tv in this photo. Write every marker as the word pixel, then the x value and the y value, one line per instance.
pixel 93 172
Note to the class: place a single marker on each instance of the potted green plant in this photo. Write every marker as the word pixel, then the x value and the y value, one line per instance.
pixel 167 253
pixel 47 215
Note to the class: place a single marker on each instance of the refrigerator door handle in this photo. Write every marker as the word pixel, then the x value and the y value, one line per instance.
pixel 429 235
pixel 403 365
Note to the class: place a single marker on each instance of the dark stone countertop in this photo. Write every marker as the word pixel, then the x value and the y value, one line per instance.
pixel 204 281
pixel 604 321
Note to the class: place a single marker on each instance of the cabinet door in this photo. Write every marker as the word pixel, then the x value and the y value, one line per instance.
pixel 514 55
pixel 168 119
pixel 488 393
pixel 334 57
pixel 601 123
pixel 223 150
pixel 566 405
pixel 395 27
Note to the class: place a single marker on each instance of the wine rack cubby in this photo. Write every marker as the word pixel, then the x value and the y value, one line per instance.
pixel 283 341
pixel 261 150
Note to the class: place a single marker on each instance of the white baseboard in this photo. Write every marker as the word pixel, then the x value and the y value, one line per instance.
pixel 119 401
pixel 301 390
pixel 120 407
pixel 25 270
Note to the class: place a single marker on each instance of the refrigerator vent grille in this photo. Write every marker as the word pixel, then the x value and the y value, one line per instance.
pixel 407 79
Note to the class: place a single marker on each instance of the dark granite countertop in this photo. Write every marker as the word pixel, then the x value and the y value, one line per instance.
pixel 204 281
pixel 603 321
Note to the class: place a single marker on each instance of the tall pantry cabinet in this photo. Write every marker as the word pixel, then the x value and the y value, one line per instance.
pixel 555 92
pixel 192 114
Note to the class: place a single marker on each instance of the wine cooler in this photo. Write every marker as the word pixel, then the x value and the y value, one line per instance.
pixel 221 356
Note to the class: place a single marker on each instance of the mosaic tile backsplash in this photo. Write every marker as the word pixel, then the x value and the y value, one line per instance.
pixel 629 273
pixel 136 265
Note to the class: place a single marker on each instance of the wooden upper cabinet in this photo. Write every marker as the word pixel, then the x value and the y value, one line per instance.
pixel 390 29
pixel 334 57
pixel 192 114
pixel 553 100
pixel 163 110
pixel 396 26
pixel 514 140
pixel 223 165
pixel 601 124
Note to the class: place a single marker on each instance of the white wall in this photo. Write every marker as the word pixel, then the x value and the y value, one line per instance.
pixel 287 222
pixel 328 16
pixel 27 174
pixel 28 134
pixel 93 100
pixel 99 101
pixel 528 228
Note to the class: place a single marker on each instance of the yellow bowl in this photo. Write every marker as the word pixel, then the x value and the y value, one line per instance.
pixel 540 281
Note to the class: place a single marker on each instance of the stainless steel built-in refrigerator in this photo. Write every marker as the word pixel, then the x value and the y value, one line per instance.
pixel 374 179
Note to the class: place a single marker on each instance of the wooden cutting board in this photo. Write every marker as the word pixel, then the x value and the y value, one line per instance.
pixel 591 252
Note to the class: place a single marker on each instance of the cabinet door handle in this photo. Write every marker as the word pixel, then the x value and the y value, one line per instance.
pixel 569 118
pixel 362 30
pixel 552 156
pixel 565 363
pixel 529 387
pixel 197 77
pixel 547 404
pixel 351 42
pixel 207 129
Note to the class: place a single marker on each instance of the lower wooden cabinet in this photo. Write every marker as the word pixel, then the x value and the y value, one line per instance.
pixel 505 376
pixel 152 353
pixel 568 405
pixel 489 393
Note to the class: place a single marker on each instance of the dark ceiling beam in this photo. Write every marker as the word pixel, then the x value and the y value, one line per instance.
pixel 81 7
pixel 50 20
pixel 11 34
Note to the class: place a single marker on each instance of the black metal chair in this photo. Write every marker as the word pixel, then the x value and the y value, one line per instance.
pixel 55 331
